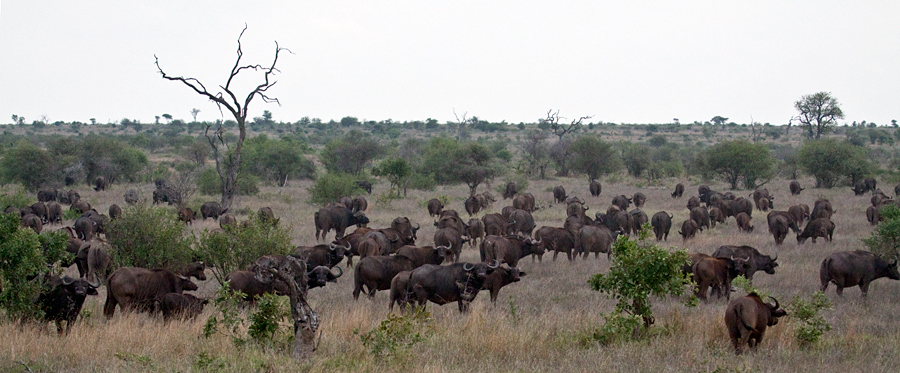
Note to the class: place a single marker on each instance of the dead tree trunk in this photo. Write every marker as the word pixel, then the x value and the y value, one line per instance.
pixel 292 273
pixel 229 162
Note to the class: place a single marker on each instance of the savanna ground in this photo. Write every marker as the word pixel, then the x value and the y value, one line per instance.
pixel 542 323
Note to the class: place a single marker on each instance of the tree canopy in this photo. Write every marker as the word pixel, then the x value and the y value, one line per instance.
pixel 830 160
pixel 818 111
pixel 738 160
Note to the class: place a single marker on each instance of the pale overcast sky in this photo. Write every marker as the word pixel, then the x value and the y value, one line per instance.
pixel 620 61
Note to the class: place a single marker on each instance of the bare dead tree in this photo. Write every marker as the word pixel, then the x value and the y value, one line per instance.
pixel 561 129
pixel 290 272
pixel 228 160
pixel 536 153
pixel 756 130
pixel 461 124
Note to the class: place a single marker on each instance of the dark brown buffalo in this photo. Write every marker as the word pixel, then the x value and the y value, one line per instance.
pixel 181 306
pixel 509 249
pixel 227 220
pixel 872 215
pixel 617 221
pixel 85 227
pixel 54 212
pixel 520 221
pixel 365 185
pixel 337 218
pixel 511 190
pixel 778 227
pixel 897 190
pixel 574 222
pixel 821 209
pixel 820 227
pixel 494 224
pixel 472 206
pixel 321 255
pixel 34 222
pixel 852 268
pixel 64 299
pixel 100 183
pixel 267 216
pixel 762 199
pixel 131 196
pixel 717 273
pixel 701 216
pixel 71 197
pixel 359 203
pixel 115 211
pixel 136 288
pixel 92 260
pixel 475 231
pixel 859 187
pixel 507 211
pixel 352 242
pixel 747 318
pixel 40 209
pixel 755 260
pixel 743 222
pixel 661 223
pixel 559 194
pixel 212 210
pixel 740 205
pixel 797 213
pixel 247 283
pixel 594 239
pixel 405 229
pixel 870 184
pixel 425 254
pixel 47 195
pixel 345 201
pixel 524 202
pixel 639 218
pixel 482 200
pixel 688 268
pixel 556 240
pixel 878 198
pixel 80 206
pixel 595 188
pixel 763 205
pixel 639 199
pixel 693 202
pixel 435 207
pixel 576 208
pixel 451 238
pixel 452 222
pixel 186 215
pixel 458 282
pixel 489 198
pixel 795 188
pixel 376 272
pixel 622 202
pixel 502 276
pixel 689 229
pixel 369 247
pixel 400 291
pixel 716 216
pixel 679 190
pixel 321 275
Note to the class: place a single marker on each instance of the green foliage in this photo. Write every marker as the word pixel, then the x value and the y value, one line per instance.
pixel 332 186
pixel 241 244
pixel 18 199
pixel 744 284
pixel 818 112
pixel 397 171
pixel 26 255
pixel 636 157
pixel 351 153
pixel 149 237
pixel 265 321
pixel 109 157
pixel 807 312
pixel 451 161
pixel 209 183
pixel 277 160
pixel 639 269
pixel 885 240
pixel 227 320
pixel 396 334
pixel 617 328
pixel 521 183
pixel 738 160
pixel 262 327
pixel 593 157
pixel 830 161
pixel 28 165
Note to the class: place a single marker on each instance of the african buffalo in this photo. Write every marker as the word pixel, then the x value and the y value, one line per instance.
pixel 755 260
pixel 520 221
pixel 247 283
pixel 182 306
pixel 511 190
pixel 555 239
pixel 559 194
pixel 747 318
pixel 622 202
pixel 798 213
pixel 693 202
pixel 63 300
pixel 595 188
pixel 743 222
pixel 509 249
pixel 870 184
pixel 45 195
pixel 40 209
pixel 502 276
pixel 337 218
pixel 136 288
pixel 365 185
pixel 851 268
pixel 524 202
pixel 451 238
pixel 458 282
pixel 820 227
pixel 92 260
pixel 472 206
pixel 115 211
pixel 321 275
pixel 186 215
pixel 494 224
pixel 639 218
pixel 594 239
pixel 821 209
pixel 717 273
pixel 639 199
pixel 54 212
pixel 376 272
pixel 359 203
pixel 85 227
pixel 475 231
pixel 576 208
pixel 100 183
pixel 679 190
pixel 227 220
pixel 131 196
pixel 872 215
pixel 662 223
pixel 689 229
pixel 435 207
pixel 425 254
pixel 795 188
pixel 701 216
pixel 34 222
pixel 321 255
pixel 212 210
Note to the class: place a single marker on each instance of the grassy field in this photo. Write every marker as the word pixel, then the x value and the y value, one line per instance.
pixel 538 324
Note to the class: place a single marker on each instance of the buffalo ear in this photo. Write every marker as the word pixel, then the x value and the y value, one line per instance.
pixel 522 274
pixel 92 291
pixel 779 313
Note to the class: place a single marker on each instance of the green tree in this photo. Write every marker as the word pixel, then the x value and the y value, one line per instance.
pixel 830 160
pixel 149 237
pixel 240 245
pixel 278 160
pixel 397 171
pixel 26 256
pixel 636 157
pixel 818 111
pixel 593 157
pixel 332 186
pixel 738 160
pixel 719 120
pixel 885 240
pixel 29 165
pixel 351 153
pixel 640 269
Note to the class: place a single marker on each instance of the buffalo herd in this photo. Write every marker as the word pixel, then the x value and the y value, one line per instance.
pixel 390 259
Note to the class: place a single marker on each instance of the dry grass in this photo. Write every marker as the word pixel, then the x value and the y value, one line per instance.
pixel 554 306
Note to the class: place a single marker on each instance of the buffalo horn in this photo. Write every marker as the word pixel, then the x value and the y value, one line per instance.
pixel 467 268
pixel 776 257
pixel 331 246
pixel 95 284
pixel 340 272
pixel 417 227
pixel 66 280
pixel 496 264
pixel 776 301
pixel 450 247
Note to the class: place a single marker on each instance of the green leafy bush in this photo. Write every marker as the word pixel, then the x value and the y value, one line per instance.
pixel 149 237
pixel 18 199
pixel 29 165
pixel 26 256
pixel 397 171
pixel 240 245
pixel 209 183
pixel 736 161
pixel 262 327
pixel 397 333
pixel 639 269
pixel 885 240
pixel 331 187
pixel 830 161
pixel 807 312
